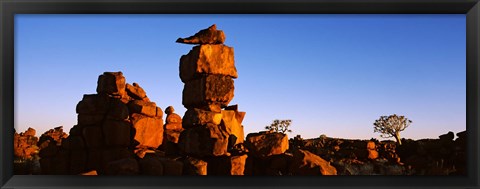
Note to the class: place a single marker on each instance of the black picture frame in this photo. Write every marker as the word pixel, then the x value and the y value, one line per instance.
pixel 8 9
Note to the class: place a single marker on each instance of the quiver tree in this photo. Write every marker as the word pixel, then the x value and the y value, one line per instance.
pixel 391 126
pixel 279 126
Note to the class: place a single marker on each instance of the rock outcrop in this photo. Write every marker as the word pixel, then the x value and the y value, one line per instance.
pixel 25 144
pixel 113 125
pixel 211 132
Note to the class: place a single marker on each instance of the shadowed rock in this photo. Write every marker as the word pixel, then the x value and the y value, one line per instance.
pixel 206 36
pixel 208 89
pixel 112 83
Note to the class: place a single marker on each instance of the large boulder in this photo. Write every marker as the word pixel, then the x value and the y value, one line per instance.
pixel 307 163
pixel 232 123
pixel 227 165
pixel 25 144
pixel 171 167
pixel 206 36
pixel 135 91
pixel 112 83
pixel 117 133
pixel 93 104
pixel 93 136
pixel 208 140
pixel 447 137
pixel 196 117
pixel 172 135
pixel 143 107
pixel 208 89
pixel 265 144
pixel 207 59
pixel 148 130
pixel 151 165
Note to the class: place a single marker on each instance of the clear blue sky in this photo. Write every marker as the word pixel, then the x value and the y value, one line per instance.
pixel 330 74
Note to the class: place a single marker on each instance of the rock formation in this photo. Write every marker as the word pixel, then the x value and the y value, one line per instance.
pixel 25 144
pixel 212 128
pixel 113 125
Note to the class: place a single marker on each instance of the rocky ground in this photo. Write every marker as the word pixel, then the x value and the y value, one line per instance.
pixel 119 131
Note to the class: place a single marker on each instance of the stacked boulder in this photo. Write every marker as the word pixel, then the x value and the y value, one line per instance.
pixel 172 129
pixel 25 144
pixel 25 153
pixel 113 125
pixel 53 157
pixel 212 128
pixel 372 150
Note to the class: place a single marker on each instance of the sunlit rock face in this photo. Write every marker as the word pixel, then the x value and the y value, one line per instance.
pixel 113 125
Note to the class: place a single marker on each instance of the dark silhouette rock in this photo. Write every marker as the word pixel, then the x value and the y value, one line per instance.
pixel 151 165
pixel 227 165
pixel 128 166
pixel 193 166
pixel 447 137
pixel 208 140
pixel 111 83
pixel 208 89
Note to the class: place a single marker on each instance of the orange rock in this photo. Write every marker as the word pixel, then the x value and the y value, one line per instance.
pixel 148 130
pixel 266 144
pixel 206 36
pixel 135 91
pixel 173 126
pixel 307 163
pixel 207 59
pixel 90 173
pixel 371 145
pixel 372 154
pixel 29 132
pixel 173 118
pixel 233 125
pixel 196 117
pixel 142 107
pixel 238 164
pixel 172 135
